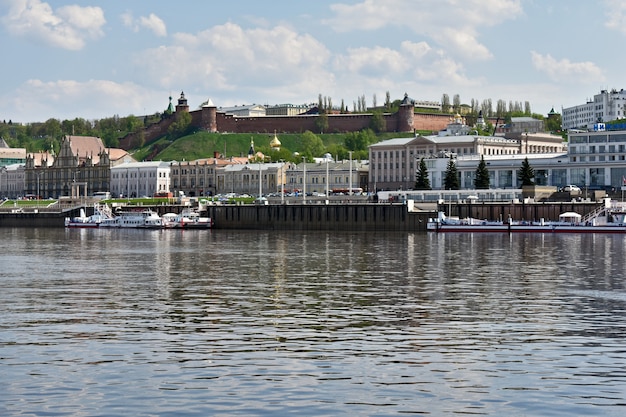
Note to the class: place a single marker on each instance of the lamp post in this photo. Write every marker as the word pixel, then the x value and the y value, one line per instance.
pixel 350 177
pixel 38 175
pixel 304 179
pixel 260 183
pixel 327 179
pixel 3 171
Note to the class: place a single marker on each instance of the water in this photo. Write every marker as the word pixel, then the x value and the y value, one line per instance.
pixel 198 323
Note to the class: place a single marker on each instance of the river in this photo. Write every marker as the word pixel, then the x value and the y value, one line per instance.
pixel 238 323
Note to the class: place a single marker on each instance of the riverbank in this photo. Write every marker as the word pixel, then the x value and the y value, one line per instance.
pixel 316 215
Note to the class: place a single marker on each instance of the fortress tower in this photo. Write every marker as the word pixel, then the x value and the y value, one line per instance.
pixel 209 116
pixel 182 105
pixel 406 115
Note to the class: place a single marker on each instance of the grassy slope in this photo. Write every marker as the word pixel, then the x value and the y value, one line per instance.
pixel 203 144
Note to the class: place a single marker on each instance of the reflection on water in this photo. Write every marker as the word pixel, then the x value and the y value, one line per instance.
pixel 196 323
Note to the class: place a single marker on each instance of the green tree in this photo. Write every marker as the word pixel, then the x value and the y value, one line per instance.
pixel 445 104
pixel 422 181
pixel 359 141
pixel 180 126
pixel 451 176
pixel 321 123
pixel 526 173
pixel 377 122
pixel 481 182
pixel 312 145
pixel 553 124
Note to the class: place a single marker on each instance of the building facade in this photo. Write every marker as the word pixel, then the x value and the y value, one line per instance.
pixel 82 167
pixel 336 177
pixel 251 178
pixel 286 110
pixel 12 181
pixel 394 162
pixel 140 179
pixel 605 107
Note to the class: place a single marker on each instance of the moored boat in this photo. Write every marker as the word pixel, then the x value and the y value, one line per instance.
pixel 601 221
pixel 140 219
pixel 101 214
pixel 187 219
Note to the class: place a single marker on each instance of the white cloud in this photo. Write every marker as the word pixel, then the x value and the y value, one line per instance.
pixel 90 99
pixel 68 27
pixel 452 25
pixel 565 70
pixel 616 15
pixel 151 22
pixel 226 56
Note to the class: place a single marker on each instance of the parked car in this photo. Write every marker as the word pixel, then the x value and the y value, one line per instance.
pixel 571 189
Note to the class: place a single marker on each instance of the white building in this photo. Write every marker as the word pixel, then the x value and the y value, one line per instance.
pixel 250 178
pixel 394 162
pixel 12 179
pixel 249 110
pixel 138 179
pixel 605 107
pixel 328 176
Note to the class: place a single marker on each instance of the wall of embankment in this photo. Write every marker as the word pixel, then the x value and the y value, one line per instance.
pixel 345 217
pixel 348 217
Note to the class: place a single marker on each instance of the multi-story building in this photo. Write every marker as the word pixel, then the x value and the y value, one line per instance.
pixel 605 107
pixel 200 177
pixel 80 168
pixel 246 110
pixel 140 179
pixel 331 176
pixel 286 110
pixel 394 162
pixel 12 181
pixel 9 156
pixel 251 178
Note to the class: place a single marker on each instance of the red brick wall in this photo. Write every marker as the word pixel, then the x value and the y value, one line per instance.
pixel 337 123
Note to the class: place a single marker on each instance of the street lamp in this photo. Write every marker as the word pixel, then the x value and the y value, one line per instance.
pixel 38 175
pixel 350 178
pixel 3 170
pixel 327 179
pixel 304 179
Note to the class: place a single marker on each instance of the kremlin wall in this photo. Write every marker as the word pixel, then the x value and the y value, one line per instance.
pixel 208 118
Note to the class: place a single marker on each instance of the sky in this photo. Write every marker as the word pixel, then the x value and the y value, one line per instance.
pixel 95 59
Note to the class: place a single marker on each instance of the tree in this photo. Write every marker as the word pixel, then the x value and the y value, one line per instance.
pixel 445 103
pixel 451 176
pixel 180 126
pixel 526 173
pixel 321 123
pixel 377 122
pixel 312 145
pixel 456 103
pixel 481 182
pixel 422 182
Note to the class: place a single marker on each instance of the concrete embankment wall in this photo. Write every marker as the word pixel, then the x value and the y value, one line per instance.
pixel 351 217
pixel 32 219
pixel 517 211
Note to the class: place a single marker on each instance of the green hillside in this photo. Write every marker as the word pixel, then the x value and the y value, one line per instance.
pixel 200 145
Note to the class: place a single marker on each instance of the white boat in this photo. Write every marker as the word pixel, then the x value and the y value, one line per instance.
pixel 140 219
pixel 187 219
pixel 601 221
pixel 101 213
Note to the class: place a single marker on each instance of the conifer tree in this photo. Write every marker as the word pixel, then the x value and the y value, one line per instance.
pixel 481 182
pixel 451 177
pixel 526 173
pixel 422 182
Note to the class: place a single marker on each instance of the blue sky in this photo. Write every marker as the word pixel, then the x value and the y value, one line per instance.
pixel 95 59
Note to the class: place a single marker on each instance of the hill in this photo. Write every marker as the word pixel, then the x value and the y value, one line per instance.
pixel 200 145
